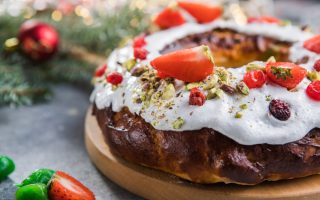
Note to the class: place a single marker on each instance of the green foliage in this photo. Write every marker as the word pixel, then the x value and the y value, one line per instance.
pixel 39 176
pixel 23 82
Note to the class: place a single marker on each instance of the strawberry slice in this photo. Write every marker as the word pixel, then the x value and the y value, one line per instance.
pixel 264 19
pixel 169 17
pixel 203 13
pixel 189 65
pixel 313 44
pixel 65 187
pixel 285 74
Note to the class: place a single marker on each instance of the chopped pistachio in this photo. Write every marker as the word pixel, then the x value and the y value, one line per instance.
pixel 178 123
pixel 272 59
pixel 219 93
pixel 253 66
pixel 189 86
pixel 238 115
pixel 243 106
pixel 154 123
pixel 210 82
pixel 212 93
pixel 268 98
pixel 313 76
pixel 168 92
pixel 223 75
pixel 138 71
pixel 129 64
pixel 243 88
pixel 114 87
pixel 208 53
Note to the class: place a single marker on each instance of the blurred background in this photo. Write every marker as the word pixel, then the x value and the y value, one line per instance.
pixel 56 79
pixel 89 30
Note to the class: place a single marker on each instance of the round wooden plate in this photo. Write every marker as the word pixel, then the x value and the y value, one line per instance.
pixel 153 184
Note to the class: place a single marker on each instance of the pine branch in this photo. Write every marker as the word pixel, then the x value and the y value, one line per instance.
pixel 23 82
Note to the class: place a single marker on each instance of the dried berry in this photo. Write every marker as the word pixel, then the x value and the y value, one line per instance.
pixel 114 78
pixel 197 97
pixel 228 89
pixel 280 109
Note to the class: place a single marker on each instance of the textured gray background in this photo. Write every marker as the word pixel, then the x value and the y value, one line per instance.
pixel 51 135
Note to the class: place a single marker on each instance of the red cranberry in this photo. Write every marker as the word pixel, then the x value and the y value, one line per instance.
pixel 280 109
pixel 114 78
pixel 140 53
pixel 313 90
pixel 197 97
pixel 317 65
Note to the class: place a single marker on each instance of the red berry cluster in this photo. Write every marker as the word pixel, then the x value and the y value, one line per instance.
pixel 138 51
pixel 196 97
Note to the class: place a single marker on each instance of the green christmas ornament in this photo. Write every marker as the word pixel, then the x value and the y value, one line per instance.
pixel 32 192
pixel 6 167
pixel 39 176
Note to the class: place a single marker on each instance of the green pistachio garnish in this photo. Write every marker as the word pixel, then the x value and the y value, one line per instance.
pixel 210 82
pixel 189 86
pixel 168 92
pixel 268 98
pixel 252 67
pixel 219 93
pixel 238 115
pixel 281 72
pixel 208 53
pixel 223 75
pixel 114 87
pixel 129 64
pixel 272 59
pixel 243 88
pixel 178 123
pixel 243 106
pixel 313 76
pixel 212 93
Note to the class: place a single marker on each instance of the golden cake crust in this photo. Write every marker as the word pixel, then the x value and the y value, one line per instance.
pixel 207 156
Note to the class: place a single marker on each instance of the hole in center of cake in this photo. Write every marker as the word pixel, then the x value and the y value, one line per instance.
pixel 233 49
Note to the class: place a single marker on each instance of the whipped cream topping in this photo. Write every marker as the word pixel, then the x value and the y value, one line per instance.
pixel 256 126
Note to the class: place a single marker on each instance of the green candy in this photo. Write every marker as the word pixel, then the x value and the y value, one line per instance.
pixel 38 176
pixel 32 192
pixel 6 167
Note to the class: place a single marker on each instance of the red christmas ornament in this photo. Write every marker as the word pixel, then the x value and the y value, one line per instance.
pixel 38 40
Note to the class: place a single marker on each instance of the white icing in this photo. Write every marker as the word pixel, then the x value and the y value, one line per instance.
pixel 256 126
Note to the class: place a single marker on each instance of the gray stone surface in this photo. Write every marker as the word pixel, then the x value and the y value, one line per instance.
pixel 51 136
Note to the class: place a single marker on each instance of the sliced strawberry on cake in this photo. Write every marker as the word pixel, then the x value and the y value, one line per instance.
pixel 169 17
pixel 189 65
pixel 285 74
pixel 202 12
pixel 313 44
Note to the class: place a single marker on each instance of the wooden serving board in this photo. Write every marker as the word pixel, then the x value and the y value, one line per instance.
pixel 154 184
